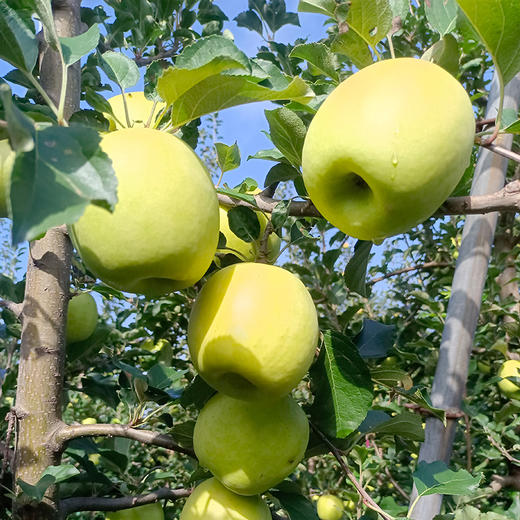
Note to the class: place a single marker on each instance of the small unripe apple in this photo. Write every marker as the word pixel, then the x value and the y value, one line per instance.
pixel 82 317
pixel 330 507
pixel 89 420
pixel 387 147
pixel 212 501
pixel 7 157
pixel 250 446
pixel 163 233
pixel 146 512
pixel 510 368
pixel 139 110
pixel 253 331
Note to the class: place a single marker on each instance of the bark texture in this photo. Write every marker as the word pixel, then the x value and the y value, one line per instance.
pixel 38 406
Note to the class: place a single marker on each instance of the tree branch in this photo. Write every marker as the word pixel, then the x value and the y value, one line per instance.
pixel 75 504
pixel 163 55
pixel 74 431
pixel 15 308
pixel 426 265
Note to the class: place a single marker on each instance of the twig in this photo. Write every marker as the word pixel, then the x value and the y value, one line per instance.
pixel 74 431
pixel 501 449
pixel 163 55
pixel 467 435
pixel 15 308
pixel 367 499
pixel 426 265
pixel 75 504
pixel 504 152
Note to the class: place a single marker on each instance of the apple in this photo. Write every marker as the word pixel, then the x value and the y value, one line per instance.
pixel 147 512
pixel 140 109
pixel 250 446
pixel 89 420
pixel 82 317
pixel 510 368
pixel 163 233
pixel 330 507
pixel 253 331
pixel 7 157
pixel 212 501
pixel 248 251
pixel 387 147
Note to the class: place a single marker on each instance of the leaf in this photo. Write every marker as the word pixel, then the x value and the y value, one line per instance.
pixel 219 92
pixel 436 478
pixel 268 155
pixel 250 20
pixel 197 393
pixel 370 20
pixel 78 46
pixel 406 424
pixel 319 56
pixel 400 8
pixel 341 385
pixel 444 53
pixel 392 377
pixel 120 69
pixel 497 22
pixel 287 132
pixel 61 473
pixel 356 270
pixel 281 172
pixel 442 15
pixel 297 506
pixel 375 339
pixel 244 223
pixel 18 45
pixel 352 45
pixel 52 475
pixel 91 346
pixel 53 184
pixel 183 433
pixel 163 377
pixel 20 128
pixel 44 10
pixel 228 157
pixel 326 7
pixel 101 387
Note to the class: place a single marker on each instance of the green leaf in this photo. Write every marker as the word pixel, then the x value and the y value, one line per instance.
pixel 228 157
pixel 89 347
pixel 287 132
pixel 219 92
pixel 406 424
pixel 354 47
pixel 61 473
pixel 390 506
pixel 52 475
pixel 280 214
pixel 18 45
pixel 53 184
pixel 19 127
pixel 120 69
pixel 44 10
pixel 76 47
pixel 442 15
pixel 513 128
pixel 392 377
pixel 297 506
pixel 444 53
pixel 341 385
pixel 163 377
pixel 319 56
pixel 183 433
pixel 375 339
pixel 101 387
pixel 497 22
pixel 326 7
pixel 250 20
pixel 197 393
pixel 244 223
pixel 370 20
pixel 268 155
pixel 436 478
pixel 400 8
pixel 281 172
pixel 356 270
pixel 246 197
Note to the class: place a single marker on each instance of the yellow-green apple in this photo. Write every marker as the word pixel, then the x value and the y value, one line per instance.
pixel 250 445
pixel 253 331
pixel 89 420
pixel 330 507
pixel 387 147
pixel 510 368
pixel 6 165
pixel 248 251
pixel 82 317
pixel 141 110
pixel 146 512
pixel 210 500
pixel 163 233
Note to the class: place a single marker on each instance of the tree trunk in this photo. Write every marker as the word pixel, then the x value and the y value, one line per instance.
pixel 464 306
pixel 38 405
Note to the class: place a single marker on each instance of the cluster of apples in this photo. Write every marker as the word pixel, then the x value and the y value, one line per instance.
pixel 252 336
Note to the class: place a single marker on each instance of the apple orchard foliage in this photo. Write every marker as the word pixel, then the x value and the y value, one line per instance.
pixel 380 338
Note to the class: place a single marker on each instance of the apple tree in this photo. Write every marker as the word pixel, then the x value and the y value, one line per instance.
pixel 400 413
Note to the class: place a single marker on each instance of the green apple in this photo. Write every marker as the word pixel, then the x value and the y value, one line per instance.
pixel 212 501
pixel 387 147
pixel 146 512
pixel 89 420
pixel 250 446
pixel 82 317
pixel 330 507
pixel 163 233
pixel 7 157
pixel 140 110
pixel 253 331
pixel 510 368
